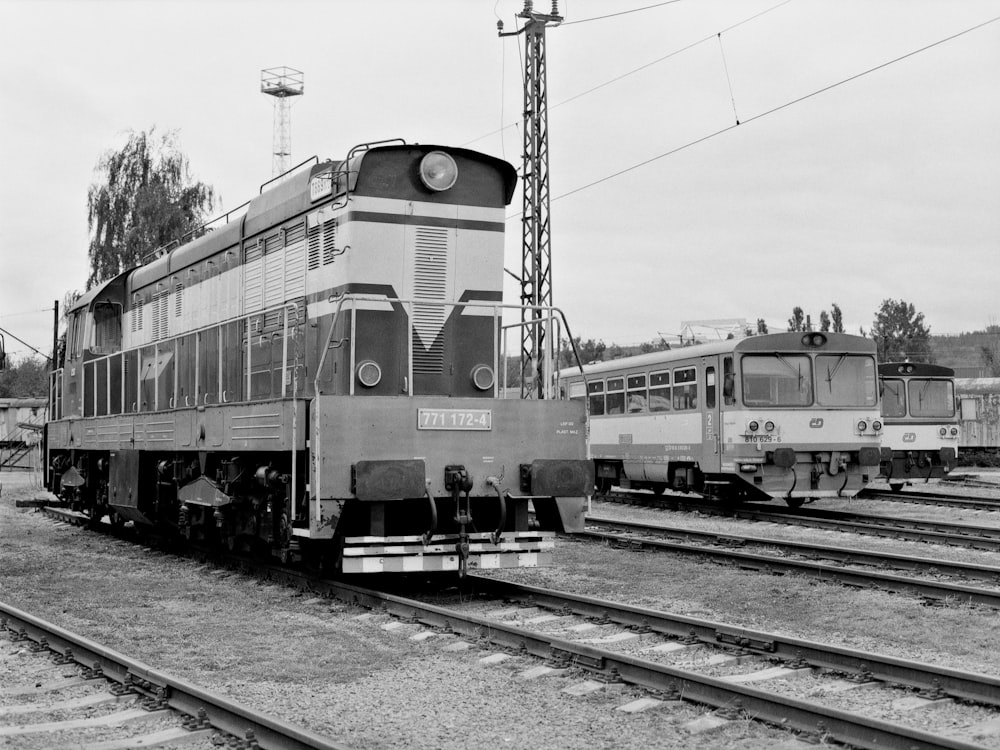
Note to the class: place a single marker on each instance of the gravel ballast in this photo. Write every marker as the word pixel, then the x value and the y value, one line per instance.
pixel 337 670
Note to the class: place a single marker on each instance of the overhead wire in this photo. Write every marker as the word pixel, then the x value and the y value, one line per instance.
pixel 633 71
pixel 773 110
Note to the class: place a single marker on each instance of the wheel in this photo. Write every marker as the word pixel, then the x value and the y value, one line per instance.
pixel 794 502
pixel 896 486
pixel 603 485
pixel 658 488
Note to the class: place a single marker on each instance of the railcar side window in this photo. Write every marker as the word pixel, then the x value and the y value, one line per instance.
pixel 578 391
pixel 616 396
pixel 728 382
pixel 893 397
pixel 845 380
pixel 659 391
pixel 777 380
pixel 931 398
pixel 709 387
pixel 685 388
pixel 596 391
pixel 637 400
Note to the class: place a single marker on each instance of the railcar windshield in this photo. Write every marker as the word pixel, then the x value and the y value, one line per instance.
pixel 893 398
pixel 777 380
pixel 931 398
pixel 845 380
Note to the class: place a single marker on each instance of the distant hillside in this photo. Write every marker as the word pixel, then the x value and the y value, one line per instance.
pixel 971 355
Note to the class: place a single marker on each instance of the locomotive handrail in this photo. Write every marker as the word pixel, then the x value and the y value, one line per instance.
pixel 408 304
pixel 287 172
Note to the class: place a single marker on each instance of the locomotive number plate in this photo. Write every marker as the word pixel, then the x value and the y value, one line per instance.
pixel 454 419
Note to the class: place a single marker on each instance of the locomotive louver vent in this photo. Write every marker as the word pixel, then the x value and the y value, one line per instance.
pixel 160 308
pixel 253 293
pixel 322 243
pixel 295 261
pixel 430 282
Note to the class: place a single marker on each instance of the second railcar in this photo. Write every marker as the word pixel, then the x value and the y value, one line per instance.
pixel 920 424
pixel 791 416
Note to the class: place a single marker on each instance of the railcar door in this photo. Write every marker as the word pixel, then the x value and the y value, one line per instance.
pixel 711 416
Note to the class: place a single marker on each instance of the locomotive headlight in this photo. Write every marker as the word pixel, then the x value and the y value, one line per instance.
pixel 876 425
pixel 943 431
pixel 369 373
pixel 862 425
pixel 769 426
pixel 954 431
pixel 482 377
pixel 438 171
pixel 753 426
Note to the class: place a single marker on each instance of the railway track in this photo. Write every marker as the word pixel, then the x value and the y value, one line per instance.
pixel 663 659
pixel 55 682
pixel 933 532
pixel 932 498
pixel 779 557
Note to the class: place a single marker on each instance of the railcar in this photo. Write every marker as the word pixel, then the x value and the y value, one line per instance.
pixel 315 375
pixel 979 424
pixel 790 416
pixel 920 426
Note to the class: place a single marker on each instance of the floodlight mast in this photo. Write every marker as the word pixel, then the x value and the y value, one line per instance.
pixel 536 255
pixel 282 83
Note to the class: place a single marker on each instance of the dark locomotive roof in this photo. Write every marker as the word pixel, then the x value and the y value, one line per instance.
pixel 918 369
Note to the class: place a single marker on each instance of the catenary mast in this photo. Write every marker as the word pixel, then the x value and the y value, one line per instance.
pixel 536 255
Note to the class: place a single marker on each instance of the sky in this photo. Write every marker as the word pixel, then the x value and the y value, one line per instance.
pixel 865 165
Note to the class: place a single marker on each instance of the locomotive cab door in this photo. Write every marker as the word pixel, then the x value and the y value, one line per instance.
pixel 711 416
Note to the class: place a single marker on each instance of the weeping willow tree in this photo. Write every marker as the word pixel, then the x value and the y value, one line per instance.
pixel 144 198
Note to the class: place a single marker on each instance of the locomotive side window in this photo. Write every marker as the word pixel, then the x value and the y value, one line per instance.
pixel 685 388
pixel 845 380
pixel 616 396
pixel 637 399
pixel 74 336
pixel 596 391
pixel 777 380
pixel 931 398
pixel 659 391
pixel 893 398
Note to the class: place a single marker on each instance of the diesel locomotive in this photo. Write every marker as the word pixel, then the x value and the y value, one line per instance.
pixel 315 374
pixel 790 416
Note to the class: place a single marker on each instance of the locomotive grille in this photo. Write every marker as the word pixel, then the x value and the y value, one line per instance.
pixel 322 243
pixel 430 282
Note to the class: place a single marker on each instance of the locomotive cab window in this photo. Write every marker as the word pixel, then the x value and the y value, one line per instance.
pixel 659 391
pixel 637 400
pixel 893 397
pixel 596 393
pixel 777 380
pixel 616 396
pixel 845 380
pixel 931 398
pixel 107 336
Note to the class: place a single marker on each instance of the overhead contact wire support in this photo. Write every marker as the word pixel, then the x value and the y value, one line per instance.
pixel 536 254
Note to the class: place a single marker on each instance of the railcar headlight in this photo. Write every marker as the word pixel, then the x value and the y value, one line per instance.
pixel 943 431
pixel 438 171
pixel 876 425
pixel 862 425
pixel 954 430
pixel 482 377
pixel 753 426
pixel 769 426
pixel 369 373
